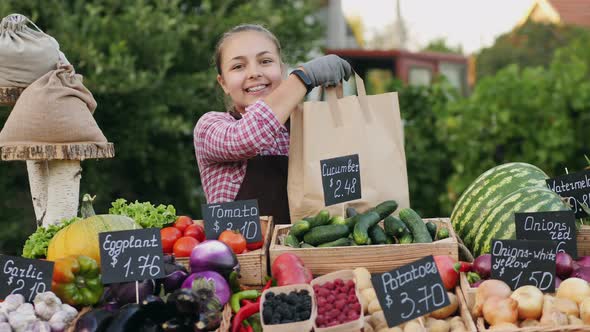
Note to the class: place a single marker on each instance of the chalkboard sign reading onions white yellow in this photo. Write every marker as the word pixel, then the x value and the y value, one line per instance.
pixel 24 276
pixel 522 262
pixel 575 188
pixel 558 226
pixel 410 291
pixel 341 179
pixel 131 255
pixel 242 216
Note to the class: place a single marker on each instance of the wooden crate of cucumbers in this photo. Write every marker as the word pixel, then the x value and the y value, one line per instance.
pixel 374 239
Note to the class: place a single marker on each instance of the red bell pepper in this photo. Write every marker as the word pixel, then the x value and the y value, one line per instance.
pixel 446 269
pixel 288 269
pixel 462 266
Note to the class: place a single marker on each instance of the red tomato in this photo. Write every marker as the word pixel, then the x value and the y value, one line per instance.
pixel 195 230
pixel 235 240
pixel 169 236
pixel 184 246
pixel 446 269
pixel 288 269
pixel 255 245
pixel 182 222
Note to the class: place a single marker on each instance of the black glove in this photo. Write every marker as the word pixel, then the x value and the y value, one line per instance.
pixel 327 70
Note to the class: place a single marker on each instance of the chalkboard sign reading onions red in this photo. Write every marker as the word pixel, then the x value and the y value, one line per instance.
pixel 410 291
pixel 558 226
pixel 24 276
pixel 341 179
pixel 131 255
pixel 242 216
pixel 522 262
pixel 575 188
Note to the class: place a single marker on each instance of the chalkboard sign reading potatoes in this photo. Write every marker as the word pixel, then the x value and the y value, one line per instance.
pixel 521 262
pixel 131 255
pixel 410 291
pixel 558 226
pixel 24 276
pixel 242 216
pixel 341 179
pixel 575 188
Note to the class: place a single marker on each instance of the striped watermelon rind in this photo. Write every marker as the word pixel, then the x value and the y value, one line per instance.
pixel 488 190
pixel 500 220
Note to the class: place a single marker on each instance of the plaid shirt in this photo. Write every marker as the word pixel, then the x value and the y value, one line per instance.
pixel 223 146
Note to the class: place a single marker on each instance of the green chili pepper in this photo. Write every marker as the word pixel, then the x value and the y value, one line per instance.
pixel 235 299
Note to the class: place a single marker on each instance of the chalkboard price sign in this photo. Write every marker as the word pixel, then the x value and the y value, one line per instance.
pixel 521 262
pixel 341 179
pixel 242 216
pixel 558 226
pixel 410 291
pixel 131 255
pixel 574 187
pixel 24 276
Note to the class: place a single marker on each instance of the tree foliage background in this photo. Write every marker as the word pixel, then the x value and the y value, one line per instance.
pixel 149 65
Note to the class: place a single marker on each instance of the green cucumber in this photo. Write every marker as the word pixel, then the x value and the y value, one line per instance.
pixel 415 225
pixel 306 245
pixel 327 233
pixel 321 219
pixel 291 241
pixel 361 228
pixel 351 212
pixel 406 239
pixel 442 233
pixel 341 242
pixel 378 236
pixel 300 228
pixel 338 220
pixel 386 208
pixel 395 227
pixel 431 227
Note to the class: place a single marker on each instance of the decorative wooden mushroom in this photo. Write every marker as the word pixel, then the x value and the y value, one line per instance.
pixel 53 168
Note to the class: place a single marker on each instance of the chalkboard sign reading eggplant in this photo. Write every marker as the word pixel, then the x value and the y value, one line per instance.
pixel 341 179
pixel 24 276
pixel 242 216
pixel 558 226
pixel 131 255
pixel 410 291
pixel 522 262
pixel 575 188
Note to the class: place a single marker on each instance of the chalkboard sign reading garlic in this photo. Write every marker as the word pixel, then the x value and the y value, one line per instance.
pixel 558 226
pixel 131 255
pixel 24 276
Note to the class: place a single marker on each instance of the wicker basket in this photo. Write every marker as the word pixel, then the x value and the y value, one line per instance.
pixel 376 258
pixel 82 311
pixel 583 239
pixel 253 264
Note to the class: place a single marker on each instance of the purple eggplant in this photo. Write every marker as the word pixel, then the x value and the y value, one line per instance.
pixel 173 281
pixel 124 293
pixel 95 320
pixel 213 255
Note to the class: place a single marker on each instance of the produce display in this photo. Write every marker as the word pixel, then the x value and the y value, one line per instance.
pixel 323 230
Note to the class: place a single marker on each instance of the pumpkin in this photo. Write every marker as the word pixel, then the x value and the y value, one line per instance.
pixel 81 237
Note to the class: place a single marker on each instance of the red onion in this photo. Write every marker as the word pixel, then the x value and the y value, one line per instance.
pixel 557 283
pixel 564 265
pixel 483 265
pixel 583 273
pixel 583 261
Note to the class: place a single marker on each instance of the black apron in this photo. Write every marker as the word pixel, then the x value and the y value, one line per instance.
pixel 266 181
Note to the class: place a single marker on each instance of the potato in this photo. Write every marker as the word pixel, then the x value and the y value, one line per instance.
pixel 413 326
pixel 369 294
pixel 503 326
pixel 374 306
pixel 437 325
pixel 362 276
pixel 573 320
pixel 457 324
pixel 367 327
pixel 585 310
pixel 566 306
pixel 378 321
pixel 447 311
pixel 364 303
pixel 529 323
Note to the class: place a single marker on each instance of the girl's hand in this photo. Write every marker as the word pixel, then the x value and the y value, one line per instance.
pixel 327 70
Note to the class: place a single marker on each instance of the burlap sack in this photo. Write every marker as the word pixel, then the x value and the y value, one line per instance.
pixel 369 126
pixel 56 108
pixel 25 53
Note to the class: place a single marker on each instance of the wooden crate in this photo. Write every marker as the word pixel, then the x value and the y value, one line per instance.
pixel 465 311
pixel 253 264
pixel 481 326
pixel 376 258
pixel 468 291
pixel 583 239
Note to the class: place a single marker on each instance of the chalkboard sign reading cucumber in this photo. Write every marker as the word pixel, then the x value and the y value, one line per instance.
pixel 24 276
pixel 242 216
pixel 131 255
pixel 341 179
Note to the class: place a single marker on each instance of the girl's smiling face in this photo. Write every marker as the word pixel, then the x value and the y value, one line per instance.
pixel 251 68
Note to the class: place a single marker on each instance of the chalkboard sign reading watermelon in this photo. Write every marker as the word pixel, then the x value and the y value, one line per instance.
pixel 574 187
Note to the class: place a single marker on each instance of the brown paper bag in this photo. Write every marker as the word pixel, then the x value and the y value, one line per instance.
pixel 57 108
pixel 369 126
pixel 26 52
